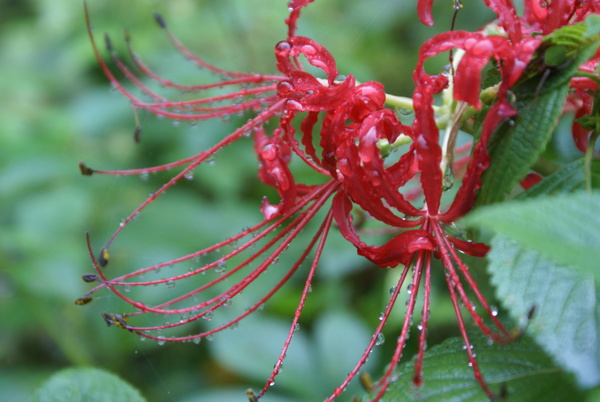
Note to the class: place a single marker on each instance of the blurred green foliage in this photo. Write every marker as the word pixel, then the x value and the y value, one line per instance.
pixel 58 109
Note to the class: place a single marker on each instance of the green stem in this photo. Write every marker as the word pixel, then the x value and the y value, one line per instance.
pixel 589 155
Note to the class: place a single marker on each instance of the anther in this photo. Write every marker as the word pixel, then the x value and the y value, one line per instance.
pixel 103 257
pixel 83 300
pixel 85 170
pixel 160 20
pixel 89 277
pixel 251 395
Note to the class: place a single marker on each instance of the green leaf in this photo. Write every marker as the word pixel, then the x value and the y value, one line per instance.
pixel 521 368
pixel 540 99
pixel 565 228
pixel 567 179
pixel 86 384
pixel 565 321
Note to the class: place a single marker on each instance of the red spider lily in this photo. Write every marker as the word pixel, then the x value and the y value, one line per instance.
pixel 349 122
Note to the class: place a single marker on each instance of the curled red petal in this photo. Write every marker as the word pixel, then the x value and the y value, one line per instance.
pixel 397 251
pixel 424 11
pixel 469 247
pixel 274 156
pixel 286 53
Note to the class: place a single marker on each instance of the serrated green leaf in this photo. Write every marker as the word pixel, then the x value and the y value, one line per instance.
pixel 522 368
pixel 569 178
pixel 517 147
pixel 565 228
pixel 540 100
pixel 86 384
pixel 565 322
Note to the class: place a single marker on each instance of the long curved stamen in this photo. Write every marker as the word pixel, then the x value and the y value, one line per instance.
pixel 448 254
pixel 322 234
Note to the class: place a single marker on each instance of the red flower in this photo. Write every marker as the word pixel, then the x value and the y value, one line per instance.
pixel 349 122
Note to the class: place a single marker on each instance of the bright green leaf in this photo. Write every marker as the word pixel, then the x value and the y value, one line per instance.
pixel 521 368
pixel 565 228
pixel 565 303
pixel 86 384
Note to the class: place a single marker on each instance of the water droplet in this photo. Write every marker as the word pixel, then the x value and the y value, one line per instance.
pixel 197 340
pixel 221 267
pixel 161 342
pixel 127 289
pixel 189 176
pixel 208 315
pixel 142 338
pixel 409 288
pixel 209 337
pixel 381 316
pixel 144 175
pixel 392 290
pixel 171 284
pixel 296 327
pixel 380 340
pixel 494 311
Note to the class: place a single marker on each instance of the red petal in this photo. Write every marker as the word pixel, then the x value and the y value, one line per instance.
pixel 397 251
pixel 424 11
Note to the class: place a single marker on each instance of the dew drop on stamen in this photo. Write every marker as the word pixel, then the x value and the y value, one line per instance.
pixel 208 315
pixel 381 316
pixel 161 342
pixel 392 290
pixel 380 340
pixel 221 267
pixel 494 311
pixel 409 289
pixel 197 340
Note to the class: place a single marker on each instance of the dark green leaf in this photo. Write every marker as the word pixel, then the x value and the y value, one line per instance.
pixel 569 178
pixel 521 368
pixel 86 384
pixel 565 321
pixel 540 100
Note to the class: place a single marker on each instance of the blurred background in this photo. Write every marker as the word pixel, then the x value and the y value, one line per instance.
pixel 57 108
